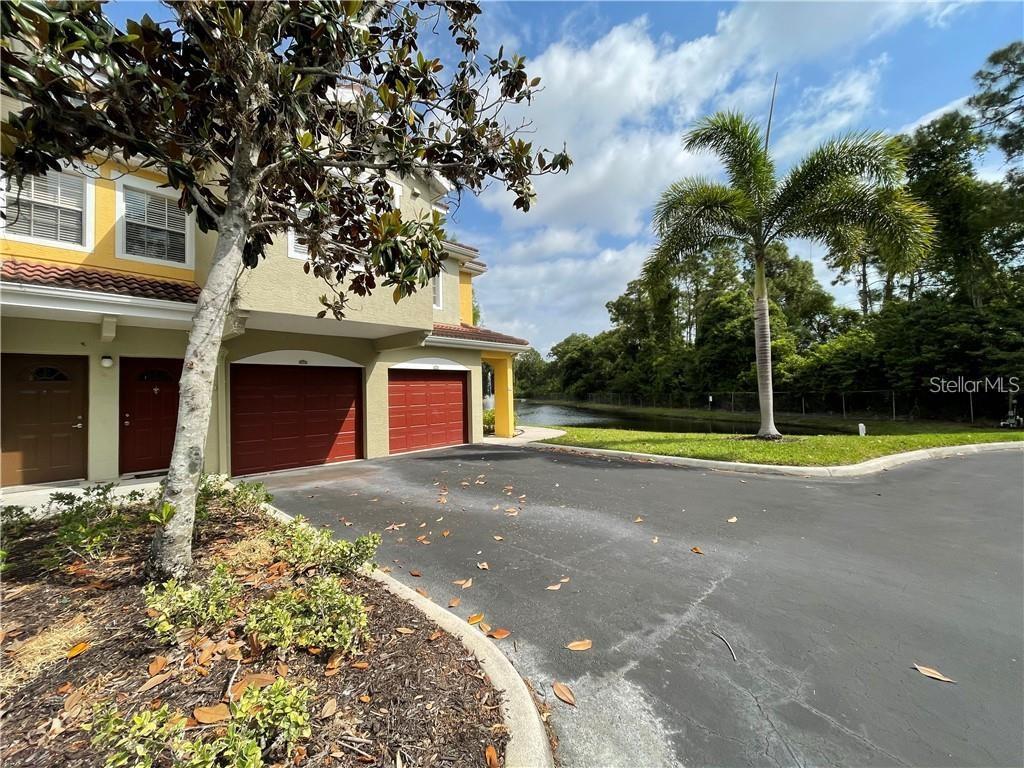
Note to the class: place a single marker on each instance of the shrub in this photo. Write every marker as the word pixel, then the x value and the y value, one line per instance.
pixel 489 421
pixel 176 606
pixel 320 615
pixel 241 497
pixel 14 519
pixel 302 546
pixel 91 524
pixel 277 715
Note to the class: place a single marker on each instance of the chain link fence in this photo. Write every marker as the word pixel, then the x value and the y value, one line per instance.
pixel 855 404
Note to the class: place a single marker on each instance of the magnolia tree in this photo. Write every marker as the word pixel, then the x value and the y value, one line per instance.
pixel 269 117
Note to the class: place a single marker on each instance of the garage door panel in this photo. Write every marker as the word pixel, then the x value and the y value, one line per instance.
pixel 285 417
pixel 426 409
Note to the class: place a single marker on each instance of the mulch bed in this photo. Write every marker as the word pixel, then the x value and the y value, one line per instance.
pixel 410 699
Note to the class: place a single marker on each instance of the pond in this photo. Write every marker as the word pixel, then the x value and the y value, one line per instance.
pixel 535 414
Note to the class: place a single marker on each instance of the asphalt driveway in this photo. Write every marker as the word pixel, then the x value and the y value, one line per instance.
pixel 827 591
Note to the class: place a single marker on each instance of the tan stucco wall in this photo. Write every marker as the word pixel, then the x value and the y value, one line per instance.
pixel 30 336
pixel 27 336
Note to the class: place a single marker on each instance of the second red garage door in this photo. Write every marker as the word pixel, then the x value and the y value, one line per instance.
pixel 426 409
pixel 286 416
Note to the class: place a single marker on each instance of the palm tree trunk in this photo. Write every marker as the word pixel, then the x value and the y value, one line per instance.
pixel 865 298
pixel 763 350
pixel 170 554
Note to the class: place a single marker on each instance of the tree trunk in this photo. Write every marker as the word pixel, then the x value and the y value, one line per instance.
pixel 763 349
pixel 170 555
pixel 865 298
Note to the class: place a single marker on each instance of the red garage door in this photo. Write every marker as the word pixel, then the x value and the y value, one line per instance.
pixel 285 416
pixel 426 409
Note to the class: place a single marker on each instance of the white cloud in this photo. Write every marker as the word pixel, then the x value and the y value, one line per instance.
pixel 829 110
pixel 621 102
pixel 927 117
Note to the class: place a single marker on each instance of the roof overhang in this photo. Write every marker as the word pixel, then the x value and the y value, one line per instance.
pixel 447 341
pixel 70 305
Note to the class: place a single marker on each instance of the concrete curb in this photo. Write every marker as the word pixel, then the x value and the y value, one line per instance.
pixel 528 745
pixel 869 467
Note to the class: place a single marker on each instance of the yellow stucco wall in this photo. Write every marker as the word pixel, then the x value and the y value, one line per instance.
pixel 103 254
pixel 466 298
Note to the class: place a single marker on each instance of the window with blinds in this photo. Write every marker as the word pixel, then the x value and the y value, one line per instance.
pixel 154 227
pixel 51 207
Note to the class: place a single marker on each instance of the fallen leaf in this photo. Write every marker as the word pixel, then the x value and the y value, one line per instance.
pixel 454 602
pixel 654 540
pixel 417 574
pixel 499 634
pixel 499 538
pixel 934 674
pixel 213 714
pixel 282 669
pixel 435 635
pixel 446 533
pixel 330 707
pixel 360 665
pixel 511 512
pixel 483 566
pixel 156 666
pixel 365 699
pixel 563 692
pixel 404 630
pixel 697 550
pixel 154 681
pixel 565 580
pixel 732 519
pixel 422 591
pixel 460 582
pixel 638 519
pixel 467 584
pixel 491 756
pixel 256 679
pixel 553 587
pixel 579 645
pixel 77 649
pixel 476 618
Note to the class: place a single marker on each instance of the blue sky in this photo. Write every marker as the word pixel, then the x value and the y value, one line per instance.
pixel 623 80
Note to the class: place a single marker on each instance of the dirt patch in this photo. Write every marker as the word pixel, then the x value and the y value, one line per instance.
pixel 414 698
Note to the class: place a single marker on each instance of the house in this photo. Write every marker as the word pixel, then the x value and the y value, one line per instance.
pixel 100 274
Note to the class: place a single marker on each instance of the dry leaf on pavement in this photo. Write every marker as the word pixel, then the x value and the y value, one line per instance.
pixel 580 645
pixel 499 634
pixel 454 602
pixel 553 587
pixel 563 692
pixel 483 567
pixel 476 618
pixel 934 674
pixel 697 550
pixel 732 519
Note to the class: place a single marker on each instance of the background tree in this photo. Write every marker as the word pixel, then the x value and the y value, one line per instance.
pixel 999 101
pixel 267 117
pixel 847 189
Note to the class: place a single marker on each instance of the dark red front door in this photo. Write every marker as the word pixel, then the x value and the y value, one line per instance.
pixel 44 399
pixel 426 409
pixel 286 416
pixel 149 412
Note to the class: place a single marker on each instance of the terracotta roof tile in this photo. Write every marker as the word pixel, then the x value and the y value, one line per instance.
pixel 84 279
pixel 473 333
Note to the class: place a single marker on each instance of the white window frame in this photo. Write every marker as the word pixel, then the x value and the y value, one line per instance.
pixel 120 236
pixel 88 217
pixel 438 289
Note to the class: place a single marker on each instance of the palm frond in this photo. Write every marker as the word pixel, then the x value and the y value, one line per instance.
pixel 739 143
pixel 871 157
pixel 890 218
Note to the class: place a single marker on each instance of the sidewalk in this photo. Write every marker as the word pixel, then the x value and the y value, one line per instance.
pixel 525 435
pixel 39 495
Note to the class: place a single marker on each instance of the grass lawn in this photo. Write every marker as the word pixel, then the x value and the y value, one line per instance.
pixel 810 450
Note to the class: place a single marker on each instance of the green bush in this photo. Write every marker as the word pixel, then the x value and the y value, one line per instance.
pixel 240 497
pixel 320 615
pixel 177 606
pixel 271 716
pixel 92 523
pixel 489 421
pixel 14 519
pixel 302 546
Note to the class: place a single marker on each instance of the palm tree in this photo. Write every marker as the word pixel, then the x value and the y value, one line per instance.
pixel 847 190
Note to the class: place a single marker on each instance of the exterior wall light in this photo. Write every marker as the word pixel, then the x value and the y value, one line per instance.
pixel 107 361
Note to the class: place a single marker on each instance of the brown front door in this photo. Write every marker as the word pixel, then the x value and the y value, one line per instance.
pixel 45 398
pixel 149 412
